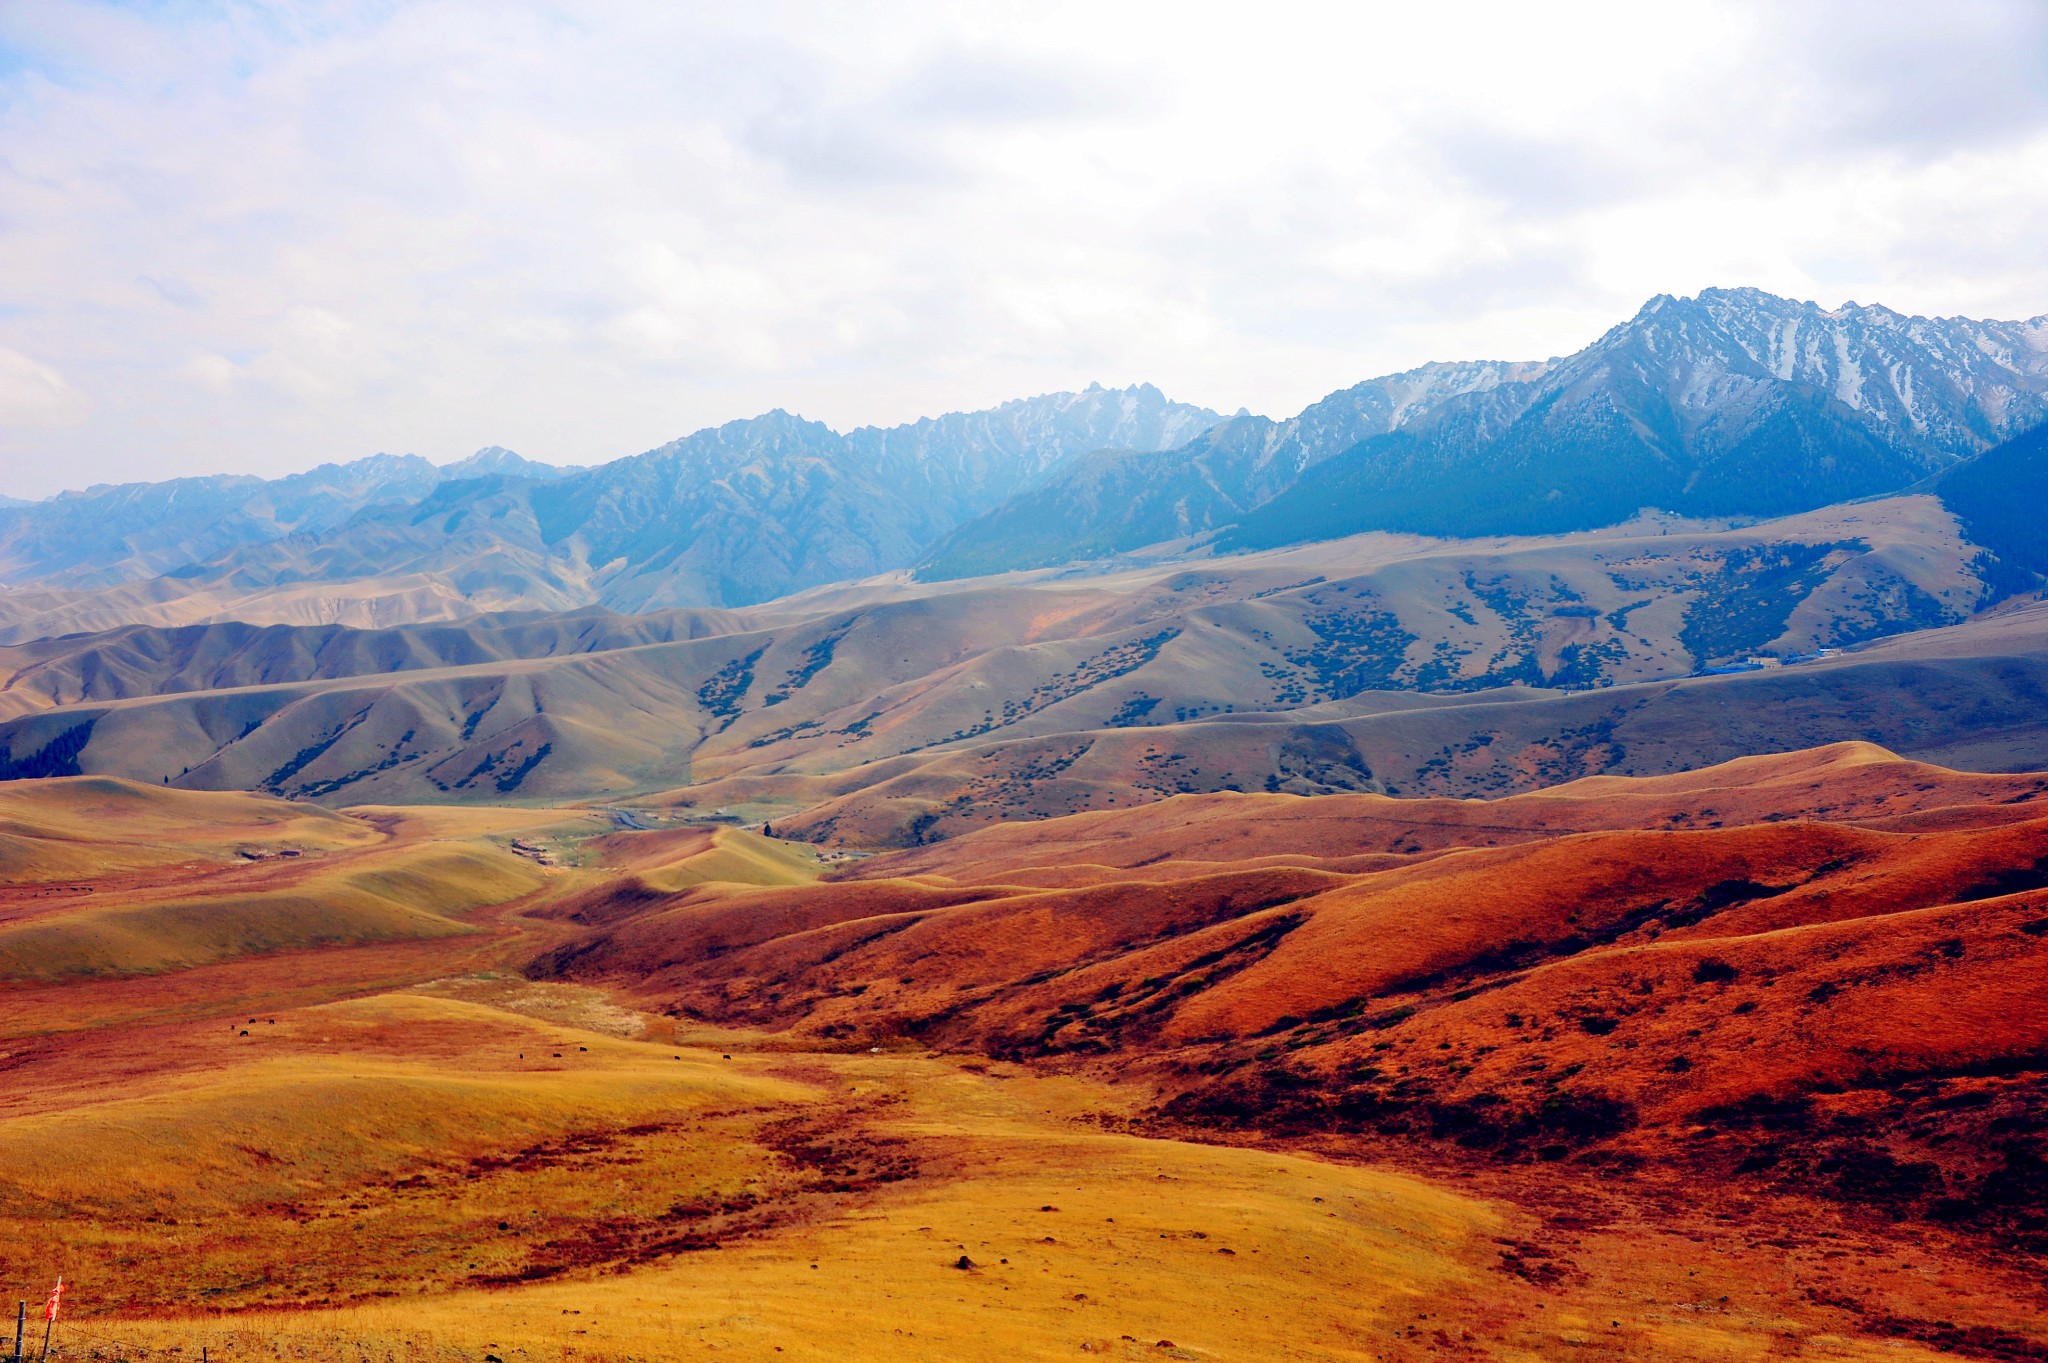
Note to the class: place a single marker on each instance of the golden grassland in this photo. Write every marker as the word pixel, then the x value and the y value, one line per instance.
pixel 415 891
pixel 676 859
pixel 91 825
pixel 378 1141
pixel 1078 1238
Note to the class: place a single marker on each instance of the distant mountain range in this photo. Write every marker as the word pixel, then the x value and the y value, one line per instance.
pixel 1733 404
pixel 737 617
pixel 736 514
pixel 121 532
pixel 1117 500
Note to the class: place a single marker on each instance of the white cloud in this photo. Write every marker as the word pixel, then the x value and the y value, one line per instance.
pixel 258 237
pixel 34 396
pixel 216 373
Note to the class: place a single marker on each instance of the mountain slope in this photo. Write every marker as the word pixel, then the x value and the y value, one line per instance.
pixel 1816 973
pixel 756 509
pixel 1999 499
pixel 917 711
pixel 1123 499
pixel 112 534
pixel 733 515
pixel 965 462
pixel 1733 403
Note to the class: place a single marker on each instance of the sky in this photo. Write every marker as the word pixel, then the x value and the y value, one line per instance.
pixel 250 238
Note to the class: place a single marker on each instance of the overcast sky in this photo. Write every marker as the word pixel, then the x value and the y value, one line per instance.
pixel 255 238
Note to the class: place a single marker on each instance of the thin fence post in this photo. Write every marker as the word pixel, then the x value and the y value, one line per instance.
pixel 20 1328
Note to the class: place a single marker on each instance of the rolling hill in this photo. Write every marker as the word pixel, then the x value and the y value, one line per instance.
pixel 1207 1078
pixel 101 877
pixel 1815 973
pixel 898 711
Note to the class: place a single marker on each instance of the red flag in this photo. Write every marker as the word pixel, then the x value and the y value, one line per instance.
pixel 56 1297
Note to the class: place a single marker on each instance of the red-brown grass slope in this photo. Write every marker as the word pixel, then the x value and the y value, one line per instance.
pixel 1824 969
pixel 1191 834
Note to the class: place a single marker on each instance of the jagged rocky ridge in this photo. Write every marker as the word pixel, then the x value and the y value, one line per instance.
pixel 736 514
pixel 1734 403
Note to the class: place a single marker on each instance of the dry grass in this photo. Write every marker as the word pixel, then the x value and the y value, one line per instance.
pixel 673 860
pixel 92 825
pixel 416 890
pixel 355 1149
pixel 1080 1240
pixel 290 1146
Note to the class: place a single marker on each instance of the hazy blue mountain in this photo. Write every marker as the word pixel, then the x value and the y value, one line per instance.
pixel 1732 403
pixel 1118 499
pixel 113 533
pixel 966 462
pixel 756 509
pixel 1999 498
pixel 121 532
pixel 731 515
pixel 1736 402
pixel 497 461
